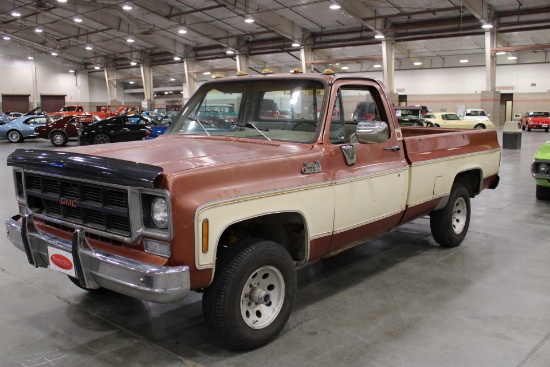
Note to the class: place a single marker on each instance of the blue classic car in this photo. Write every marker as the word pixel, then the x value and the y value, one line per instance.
pixel 21 128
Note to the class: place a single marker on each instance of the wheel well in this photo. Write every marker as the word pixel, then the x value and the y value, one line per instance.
pixel 57 131
pixel 471 181
pixel 286 229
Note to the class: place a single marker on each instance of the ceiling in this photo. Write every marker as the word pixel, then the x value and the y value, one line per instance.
pixel 435 33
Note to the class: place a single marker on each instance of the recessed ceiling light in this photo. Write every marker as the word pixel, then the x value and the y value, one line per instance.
pixel 335 6
pixel 501 53
pixel 229 52
pixel 177 58
pixel 71 71
pixel 88 47
pixel 296 44
pixel 249 20
pixel 97 67
pixel 38 30
pixel 345 68
pixel 172 79
pixel 6 37
pixel 379 36
pixel 165 92
pixel 417 63
pixel 130 40
pixel 61 1
pixel 512 58
pixel 127 7
pixel 133 63
pixel 206 73
pixel 15 13
pixel 54 53
pixel 463 61
pixel 182 31
pixel 377 66
pixel 131 82
pixel 30 58
pixel 78 20
pixel 487 26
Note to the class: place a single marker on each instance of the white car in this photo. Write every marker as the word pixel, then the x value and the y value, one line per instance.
pixel 476 114
pixel 452 120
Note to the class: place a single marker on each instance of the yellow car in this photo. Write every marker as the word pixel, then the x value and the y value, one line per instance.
pixel 452 120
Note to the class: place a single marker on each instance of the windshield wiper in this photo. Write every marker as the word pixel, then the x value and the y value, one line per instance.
pixel 252 126
pixel 200 123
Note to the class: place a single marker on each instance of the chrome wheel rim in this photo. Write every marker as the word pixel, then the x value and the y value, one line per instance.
pixel 13 136
pixel 101 139
pixel 262 297
pixel 460 212
pixel 57 139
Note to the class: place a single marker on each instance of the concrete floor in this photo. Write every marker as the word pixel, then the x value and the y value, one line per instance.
pixel 397 301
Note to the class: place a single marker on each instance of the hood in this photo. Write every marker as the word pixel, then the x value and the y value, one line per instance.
pixel 176 153
pixel 544 151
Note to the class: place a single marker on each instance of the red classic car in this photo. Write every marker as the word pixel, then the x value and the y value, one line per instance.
pixel 61 130
pixel 535 120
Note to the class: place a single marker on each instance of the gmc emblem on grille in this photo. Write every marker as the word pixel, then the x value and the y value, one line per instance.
pixel 69 202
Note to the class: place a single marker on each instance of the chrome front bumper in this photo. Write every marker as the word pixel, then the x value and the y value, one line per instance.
pixel 97 269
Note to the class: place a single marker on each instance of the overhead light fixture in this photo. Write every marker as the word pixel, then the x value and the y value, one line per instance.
pixel 131 82
pixel 296 44
pixel 487 26
pixel 417 63
pixel 165 92
pixel 512 58
pixel 182 31
pixel 127 7
pixel 54 53
pixel 6 37
pixel 71 71
pixel 133 63
pixel 464 61
pixel 89 47
pixel 206 73
pixel 377 66
pixel 379 36
pixel 229 52
pixel 172 79
pixel 501 53
pixel 335 6
pixel 78 20
pixel 30 58
pixel 345 68
pixel 130 40
pixel 249 20
pixel 38 30
pixel 61 1
pixel 15 13
pixel 177 58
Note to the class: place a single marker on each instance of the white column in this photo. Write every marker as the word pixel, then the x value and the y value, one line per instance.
pixel 147 79
pixel 110 78
pixel 190 78
pixel 388 58
pixel 490 60
pixel 242 63
pixel 306 56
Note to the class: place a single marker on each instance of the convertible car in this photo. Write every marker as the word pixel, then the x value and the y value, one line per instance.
pixel 116 129
pixel 66 127
pixel 452 120
pixel 21 128
pixel 540 169
pixel 535 120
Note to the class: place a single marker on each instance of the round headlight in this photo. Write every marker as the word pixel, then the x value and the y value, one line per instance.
pixel 543 168
pixel 159 212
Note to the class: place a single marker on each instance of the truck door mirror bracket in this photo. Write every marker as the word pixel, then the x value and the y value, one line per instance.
pixel 372 132
pixel 349 153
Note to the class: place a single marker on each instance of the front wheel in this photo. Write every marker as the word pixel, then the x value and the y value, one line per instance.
pixel 15 136
pixel 543 192
pixel 450 224
pixel 58 139
pixel 479 127
pixel 101 139
pixel 250 300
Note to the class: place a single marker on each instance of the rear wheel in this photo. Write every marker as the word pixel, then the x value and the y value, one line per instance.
pixel 479 127
pixel 101 139
pixel 450 224
pixel 58 139
pixel 528 128
pixel 250 300
pixel 543 192
pixel 15 136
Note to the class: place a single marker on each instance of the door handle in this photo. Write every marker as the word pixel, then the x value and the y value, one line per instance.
pixel 394 148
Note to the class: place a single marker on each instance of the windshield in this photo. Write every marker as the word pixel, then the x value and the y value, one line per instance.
pixel 450 116
pixel 283 109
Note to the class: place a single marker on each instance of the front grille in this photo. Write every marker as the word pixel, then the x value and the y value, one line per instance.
pixel 87 204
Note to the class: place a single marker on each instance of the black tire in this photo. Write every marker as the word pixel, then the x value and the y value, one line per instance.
pixel 101 139
pixel 450 224
pixel 479 127
pixel 543 192
pixel 437 125
pixel 528 128
pixel 92 290
pixel 546 129
pixel 251 265
pixel 14 136
pixel 523 127
pixel 58 139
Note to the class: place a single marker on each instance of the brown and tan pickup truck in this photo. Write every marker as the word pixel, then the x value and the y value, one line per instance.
pixel 233 207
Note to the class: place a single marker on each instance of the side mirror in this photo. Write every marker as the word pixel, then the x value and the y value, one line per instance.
pixel 372 132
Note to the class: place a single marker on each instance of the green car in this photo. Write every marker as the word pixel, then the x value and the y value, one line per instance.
pixel 540 169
